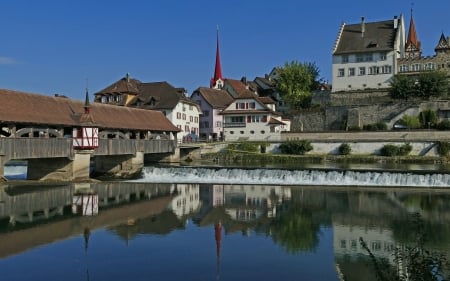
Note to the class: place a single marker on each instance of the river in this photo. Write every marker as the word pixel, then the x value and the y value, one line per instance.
pixel 218 223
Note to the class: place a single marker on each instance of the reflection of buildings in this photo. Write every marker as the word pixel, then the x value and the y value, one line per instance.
pixel 239 207
pixel 186 200
pixel 249 202
pixel 32 202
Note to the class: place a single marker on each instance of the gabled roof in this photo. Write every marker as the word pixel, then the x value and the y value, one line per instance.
pixel 241 89
pixel 218 99
pixel 274 121
pixel 152 95
pixel 166 95
pixel 266 100
pixel 377 36
pixel 126 85
pixel 27 108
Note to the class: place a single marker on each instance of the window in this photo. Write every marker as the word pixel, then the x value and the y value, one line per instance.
pixel 373 70
pixel 206 113
pixel 190 107
pixel 252 105
pixel 242 105
pixel 252 132
pixel 264 118
pixel 362 71
pixel 178 115
pixel 242 132
pixel 416 67
pixel 196 119
pixel 429 66
pixel 186 128
pixel 404 68
pixel 386 69
pixel 345 59
pixel 249 119
pixel 218 124
pixel 343 244
pixel 206 124
pixel 104 99
pixel 184 116
pixel 383 56
pixel 263 132
pixel 341 72
pixel 351 71
pixel 191 118
pixel 231 132
pixel 368 57
pixel 359 58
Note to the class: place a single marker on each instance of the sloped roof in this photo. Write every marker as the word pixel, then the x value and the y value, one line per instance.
pixel 216 98
pixel 241 89
pixel 378 36
pixel 443 44
pixel 126 85
pixel 266 100
pixel 274 121
pixel 28 108
pixel 412 36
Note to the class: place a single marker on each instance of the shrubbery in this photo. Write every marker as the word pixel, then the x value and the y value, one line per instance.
pixel 296 147
pixel 444 125
pixel 244 146
pixel 394 150
pixel 444 148
pixel 379 126
pixel 345 149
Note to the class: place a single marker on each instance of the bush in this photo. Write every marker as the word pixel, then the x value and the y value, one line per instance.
pixel 444 125
pixel 244 146
pixel 389 150
pixel 296 147
pixel 393 150
pixel 444 148
pixel 379 126
pixel 345 149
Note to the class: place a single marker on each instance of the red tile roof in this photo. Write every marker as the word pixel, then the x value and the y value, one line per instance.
pixel 218 99
pixel 28 108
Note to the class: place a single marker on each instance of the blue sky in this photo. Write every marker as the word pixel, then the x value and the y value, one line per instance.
pixel 55 46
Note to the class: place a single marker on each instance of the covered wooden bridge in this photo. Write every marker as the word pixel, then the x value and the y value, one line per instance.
pixel 59 137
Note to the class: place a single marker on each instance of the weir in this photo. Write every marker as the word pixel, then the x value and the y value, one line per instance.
pixel 295 177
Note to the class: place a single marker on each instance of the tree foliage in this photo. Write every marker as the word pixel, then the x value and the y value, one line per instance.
pixel 425 85
pixel 296 82
pixel 296 147
pixel 428 118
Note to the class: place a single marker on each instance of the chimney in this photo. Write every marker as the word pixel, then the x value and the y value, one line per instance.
pixel 395 22
pixel 128 77
pixel 363 26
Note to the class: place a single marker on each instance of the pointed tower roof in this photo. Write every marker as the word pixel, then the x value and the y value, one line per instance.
pixel 443 44
pixel 412 40
pixel 218 67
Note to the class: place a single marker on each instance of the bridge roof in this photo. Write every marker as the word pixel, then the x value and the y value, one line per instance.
pixel 28 108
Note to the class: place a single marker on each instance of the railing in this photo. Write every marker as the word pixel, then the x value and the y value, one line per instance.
pixel 131 146
pixel 234 124
pixel 27 148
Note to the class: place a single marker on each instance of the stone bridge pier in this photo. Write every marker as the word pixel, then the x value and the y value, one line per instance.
pixel 122 166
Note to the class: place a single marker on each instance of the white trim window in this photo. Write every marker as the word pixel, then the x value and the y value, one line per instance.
pixel 362 71
pixel 341 72
pixel 351 71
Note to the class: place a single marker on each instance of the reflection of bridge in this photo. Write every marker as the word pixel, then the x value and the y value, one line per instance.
pixel 58 136
pixel 150 200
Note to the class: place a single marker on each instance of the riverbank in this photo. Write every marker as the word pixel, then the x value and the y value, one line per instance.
pixel 249 157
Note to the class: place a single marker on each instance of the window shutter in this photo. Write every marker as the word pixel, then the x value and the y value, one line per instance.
pixel 249 119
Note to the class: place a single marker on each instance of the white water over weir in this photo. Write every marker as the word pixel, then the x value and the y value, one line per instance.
pixel 293 177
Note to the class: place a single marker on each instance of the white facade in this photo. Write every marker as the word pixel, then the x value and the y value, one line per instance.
pixel 247 119
pixel 185 116
pixel 363 66
pixel 187 201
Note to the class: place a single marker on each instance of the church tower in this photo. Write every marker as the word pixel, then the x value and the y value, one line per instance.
pixel 443 45
pixel 217 80
pixel 412 47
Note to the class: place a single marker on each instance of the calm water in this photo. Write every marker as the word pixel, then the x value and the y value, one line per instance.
pixel 178 231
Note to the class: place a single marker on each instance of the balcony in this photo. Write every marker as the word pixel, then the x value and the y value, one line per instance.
pixel 234 124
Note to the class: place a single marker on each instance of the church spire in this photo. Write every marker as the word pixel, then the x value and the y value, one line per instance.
pixel 412 46
pixel 217 80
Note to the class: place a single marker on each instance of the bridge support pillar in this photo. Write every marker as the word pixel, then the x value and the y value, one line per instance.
pixel 81 165
pixel 119 166
pixel 57 169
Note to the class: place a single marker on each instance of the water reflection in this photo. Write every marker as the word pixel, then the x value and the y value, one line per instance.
pixel 296 220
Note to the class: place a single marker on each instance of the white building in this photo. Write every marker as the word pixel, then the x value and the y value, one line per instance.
pixel 365 54
pixel 248 117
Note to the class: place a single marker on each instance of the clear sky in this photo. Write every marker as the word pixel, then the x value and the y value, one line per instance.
pixel 55 46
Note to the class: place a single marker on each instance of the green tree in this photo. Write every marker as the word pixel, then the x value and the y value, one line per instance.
pixel 296 82
pixel 402 87
pixel 432 84
pixel 295 230
pixel 425 85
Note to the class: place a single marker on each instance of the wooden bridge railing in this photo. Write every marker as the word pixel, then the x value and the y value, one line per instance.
pixel 131 146
pixel 27 148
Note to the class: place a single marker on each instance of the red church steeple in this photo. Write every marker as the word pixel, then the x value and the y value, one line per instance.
pixel 412 46
pixel 217 80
